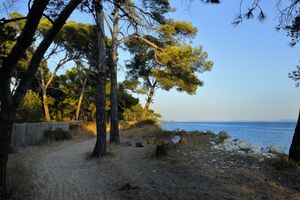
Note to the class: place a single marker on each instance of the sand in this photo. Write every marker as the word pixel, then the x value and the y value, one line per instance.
pixel 63 171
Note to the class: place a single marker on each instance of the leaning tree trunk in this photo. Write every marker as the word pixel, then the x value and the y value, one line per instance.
pixel 148 102
pixel 100 146
pixel 81 97
pixel 45 104
pixel 8 103
pixel 7 108
pixel 294 153
pixel 114 121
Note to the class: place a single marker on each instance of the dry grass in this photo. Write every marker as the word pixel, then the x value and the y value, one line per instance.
pixel 90 127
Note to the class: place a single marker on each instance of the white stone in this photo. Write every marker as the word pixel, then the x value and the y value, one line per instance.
pixel 243 145
pixel 176 139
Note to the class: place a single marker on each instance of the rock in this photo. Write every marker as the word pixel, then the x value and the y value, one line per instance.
pixel 260 160
pixel 255 148
pixel 161 150
pixel 269 155
pixel 139 144
pixel 243 145
pixel 176 139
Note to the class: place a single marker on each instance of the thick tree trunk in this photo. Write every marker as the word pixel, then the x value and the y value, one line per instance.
pixel 148 102
pixel 114 121
pixel 81 97
pixel 8 103
pixel 5 129
pixel 45 104
pixel 6 120
pixel 100 146
pixel 294 153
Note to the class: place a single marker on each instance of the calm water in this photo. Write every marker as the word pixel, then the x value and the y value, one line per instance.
pixel 262 133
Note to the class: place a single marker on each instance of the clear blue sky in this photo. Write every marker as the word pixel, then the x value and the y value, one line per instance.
pixel 249 80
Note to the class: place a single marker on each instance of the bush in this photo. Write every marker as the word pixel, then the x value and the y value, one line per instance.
pixel 282 162
pixel 147 122
pixel 57 135
pixel 30 109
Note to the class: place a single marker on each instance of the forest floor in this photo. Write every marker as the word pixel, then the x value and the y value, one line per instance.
pixel 193 170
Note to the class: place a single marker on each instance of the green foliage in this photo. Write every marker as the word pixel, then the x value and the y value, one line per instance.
pixel 174 65
pixel 30 109
pixel 134 113
pixel 147 122
pixel 173 29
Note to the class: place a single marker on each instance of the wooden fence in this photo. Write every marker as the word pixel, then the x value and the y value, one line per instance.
pixel 28 134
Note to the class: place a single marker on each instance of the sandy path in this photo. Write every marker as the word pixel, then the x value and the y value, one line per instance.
pixel 65 173
pixel 68 174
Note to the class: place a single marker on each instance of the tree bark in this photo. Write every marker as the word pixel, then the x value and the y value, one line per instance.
pixel 45 104
pixel 114 121
pixel 10 103
pixel 7 107
pixel 6 121
pixel 148 102
pixel 294 153
pixel 81 97
pixel 100 146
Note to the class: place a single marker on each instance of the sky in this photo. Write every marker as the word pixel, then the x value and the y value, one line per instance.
pixel 249 80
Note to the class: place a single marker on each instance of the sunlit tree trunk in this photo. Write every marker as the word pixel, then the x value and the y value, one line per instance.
pixel 45 104
pixel 100 146
pixel 149 101
pixel 294 153
pixel 114 121
pixel 81 97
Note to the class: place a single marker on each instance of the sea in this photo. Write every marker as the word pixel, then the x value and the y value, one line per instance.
pixel 264 134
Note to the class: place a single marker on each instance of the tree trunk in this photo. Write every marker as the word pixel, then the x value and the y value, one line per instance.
pixel 24 40
pixel 81 97
pixel 45 104
pixel 100 146
pixel 148 102
pixel 40 51
pixel 114 121
pixel 8 103
pixel 5 129
pixel 6 121
pixel 294 153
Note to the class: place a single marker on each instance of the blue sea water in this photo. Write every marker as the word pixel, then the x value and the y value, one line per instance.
pixel 264 134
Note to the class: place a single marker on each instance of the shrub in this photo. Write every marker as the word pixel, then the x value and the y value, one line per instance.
pixel 147 122
pixel 282 162
pixel 30 109
pixel 57 135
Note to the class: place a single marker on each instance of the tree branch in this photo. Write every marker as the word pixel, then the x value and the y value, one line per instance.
pixel 108 24
pixel 4 21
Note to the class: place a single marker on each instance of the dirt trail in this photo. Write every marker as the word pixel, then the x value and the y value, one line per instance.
pixel 65 173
